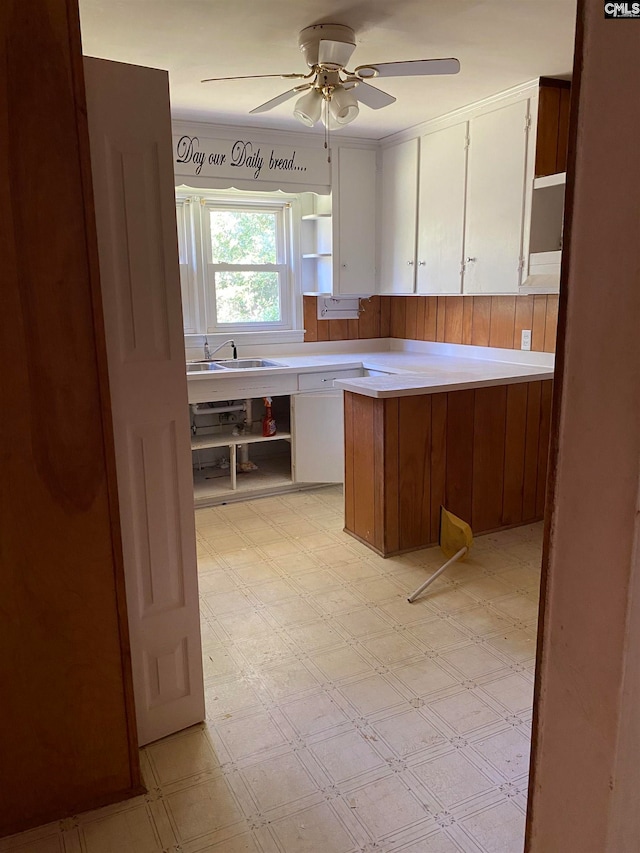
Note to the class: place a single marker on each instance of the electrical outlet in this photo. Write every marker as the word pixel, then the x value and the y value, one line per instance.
pixel 525 339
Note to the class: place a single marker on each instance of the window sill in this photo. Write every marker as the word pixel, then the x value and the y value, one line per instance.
pixel 281 336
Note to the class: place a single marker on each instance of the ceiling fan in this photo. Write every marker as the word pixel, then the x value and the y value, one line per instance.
pixel 327 49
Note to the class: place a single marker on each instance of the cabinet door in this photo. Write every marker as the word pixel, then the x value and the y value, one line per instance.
pixel 130 132
pixel 354 222
pixel 398 213
pixel 443 164
pixel 495 200
pixel 317 427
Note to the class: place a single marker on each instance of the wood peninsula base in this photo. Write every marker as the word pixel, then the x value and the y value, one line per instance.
pixel 482 453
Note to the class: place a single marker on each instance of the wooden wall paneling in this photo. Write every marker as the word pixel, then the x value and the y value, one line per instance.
pixel 453 319
pixel 438 459
pixel 523 319
pixel 467 319
pixel 421 309
pixel 338 330
pixel 323 330
pixel 430 318
pixel 547 132
pixel 353 330
pixel 532 442
pixel 441 318
pixel 363 468
pixel 349 483
pixel 539 322
pixel 380 496
pixel 390 477
pixel 369 321
pixel 459 461
pixel 543 446
pixel 551 324
pixel 67 738
pixel 398 316
pixel 414 429
pixel 385 316
pixel 310 318
pixel 514 453
pixel 489 423
pixel 481 320
pixel 503 315
pixel 563 130
pixel 411 318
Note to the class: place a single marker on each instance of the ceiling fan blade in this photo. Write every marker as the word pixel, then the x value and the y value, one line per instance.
pixel 274 102
pixel 256 77
pixel 411 68
pixel 372 97
pixel 334 54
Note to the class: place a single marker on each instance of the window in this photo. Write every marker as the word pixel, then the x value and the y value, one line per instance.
pixel 236 263
pixel 248 273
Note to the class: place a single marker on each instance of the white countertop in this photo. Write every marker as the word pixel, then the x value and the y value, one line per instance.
pixel 416 367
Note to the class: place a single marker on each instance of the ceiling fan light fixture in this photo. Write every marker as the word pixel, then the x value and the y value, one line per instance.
pixel 308 108
pixel 343 106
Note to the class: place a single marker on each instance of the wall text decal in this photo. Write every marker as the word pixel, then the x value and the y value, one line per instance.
pixel 248 159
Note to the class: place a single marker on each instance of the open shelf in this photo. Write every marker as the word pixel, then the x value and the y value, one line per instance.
pixel 310 216
pixel 200 442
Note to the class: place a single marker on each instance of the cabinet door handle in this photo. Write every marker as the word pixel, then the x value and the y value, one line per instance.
pixel 421 263
pixel 469 260
pixel 410 263
pixel 329 380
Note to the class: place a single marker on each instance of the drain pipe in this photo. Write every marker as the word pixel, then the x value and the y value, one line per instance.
pixel 243 449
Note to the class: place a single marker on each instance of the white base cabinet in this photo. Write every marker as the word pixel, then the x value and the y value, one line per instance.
pixel 317 429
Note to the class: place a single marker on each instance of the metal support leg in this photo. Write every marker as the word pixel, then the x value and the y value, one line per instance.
pixel 437 574
pixel 232 465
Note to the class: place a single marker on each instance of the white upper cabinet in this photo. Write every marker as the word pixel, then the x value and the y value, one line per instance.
pixel 443 157
pixel 455 211
pixel 354 222
pixel 496 189
pixel 398 212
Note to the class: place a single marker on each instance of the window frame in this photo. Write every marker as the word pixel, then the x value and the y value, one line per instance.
pixel 282 266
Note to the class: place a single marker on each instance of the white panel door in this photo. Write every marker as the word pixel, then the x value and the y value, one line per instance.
pixel 495 200
pixel 443 167
pixel 354 222
pixel 317 428
pixel 130 135
pixel 398 212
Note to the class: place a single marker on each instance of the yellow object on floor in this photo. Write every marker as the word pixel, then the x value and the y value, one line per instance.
pixel 454 534
pixel 455 540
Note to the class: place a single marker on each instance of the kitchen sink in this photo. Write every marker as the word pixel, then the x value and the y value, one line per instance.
pixel 198 366
pixel 246 363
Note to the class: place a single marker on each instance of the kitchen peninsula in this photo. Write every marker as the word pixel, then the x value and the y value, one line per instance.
pixel 471 436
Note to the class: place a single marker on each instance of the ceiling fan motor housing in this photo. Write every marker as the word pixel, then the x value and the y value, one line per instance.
pixel 343 41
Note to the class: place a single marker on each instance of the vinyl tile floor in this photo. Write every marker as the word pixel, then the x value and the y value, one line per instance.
pixel 340 718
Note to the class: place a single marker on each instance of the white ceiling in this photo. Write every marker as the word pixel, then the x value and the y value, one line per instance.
pixel 500 43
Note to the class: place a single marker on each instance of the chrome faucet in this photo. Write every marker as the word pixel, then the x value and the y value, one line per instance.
pixel 209 352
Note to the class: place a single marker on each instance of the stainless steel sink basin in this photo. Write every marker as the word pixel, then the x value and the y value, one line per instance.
pixel 198 366
pixel 246 363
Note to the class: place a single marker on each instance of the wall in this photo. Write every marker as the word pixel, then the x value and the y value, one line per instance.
pixel 495 321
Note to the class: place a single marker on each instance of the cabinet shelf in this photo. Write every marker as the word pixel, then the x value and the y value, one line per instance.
pixel 200 442
pixel 559 179
pixel 317 255
pixel 310 216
